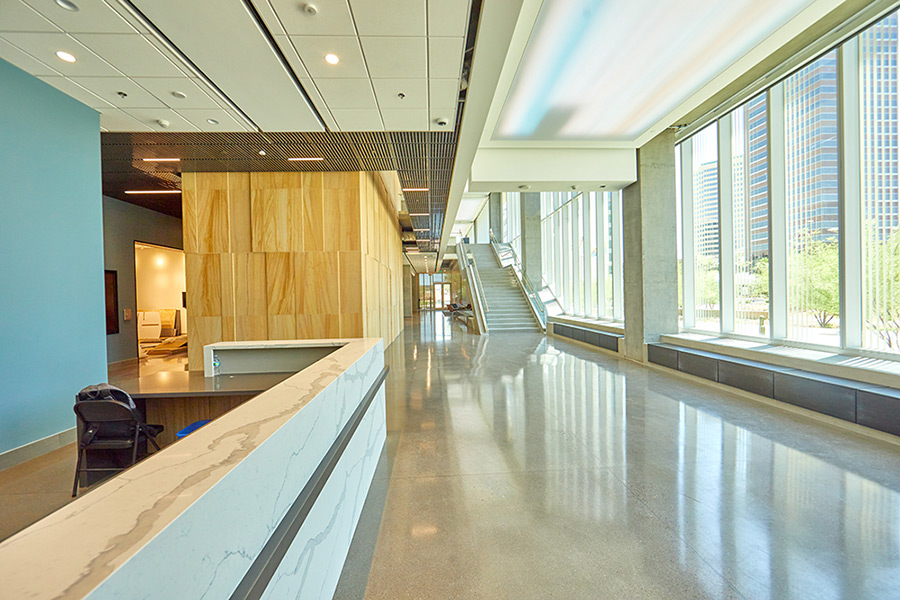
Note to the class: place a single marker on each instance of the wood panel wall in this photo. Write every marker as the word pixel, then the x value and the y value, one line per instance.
pixel 290 256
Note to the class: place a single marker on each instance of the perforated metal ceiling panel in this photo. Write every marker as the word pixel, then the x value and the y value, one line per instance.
pixel 422 160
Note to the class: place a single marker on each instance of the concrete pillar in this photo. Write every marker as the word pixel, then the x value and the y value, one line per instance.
pixel 495 210
pixel 531 236
pixel 407 291
pixel 648 213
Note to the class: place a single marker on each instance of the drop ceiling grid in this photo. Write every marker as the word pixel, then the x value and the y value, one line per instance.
pixel 95 37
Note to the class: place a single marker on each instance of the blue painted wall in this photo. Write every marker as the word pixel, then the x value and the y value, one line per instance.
pixel 52 325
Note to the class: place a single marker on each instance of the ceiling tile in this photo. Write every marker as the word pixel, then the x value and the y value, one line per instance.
pixel 405 119
pixel 395 57
pixel 113 119
pixel 443 93
pixel 131 54
pixel 415 93
pixel 389 17
pixel 163 87
pixel 24 61
pixel 108 88
pixel 198 117
pixel 448 114
pixel 70 87
pixel 444 57
pixel 347 93
pixel 15 16
pixel 43 46
pixel 448 18
pixel 92 16
pixel 355 119
pixel 332 18
pixel 151 117
pixel 312 49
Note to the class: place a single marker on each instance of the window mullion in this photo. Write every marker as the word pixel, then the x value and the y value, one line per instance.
pixel 849 174
pixel 687 234
pixel 777 213
pixel 726 228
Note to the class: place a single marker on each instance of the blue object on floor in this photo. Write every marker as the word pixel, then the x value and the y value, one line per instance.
pixel 192 428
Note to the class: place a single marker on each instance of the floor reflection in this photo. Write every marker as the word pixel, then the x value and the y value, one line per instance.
pixel 523 467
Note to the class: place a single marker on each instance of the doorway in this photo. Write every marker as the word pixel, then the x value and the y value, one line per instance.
pixel 160 286
pixel 441 295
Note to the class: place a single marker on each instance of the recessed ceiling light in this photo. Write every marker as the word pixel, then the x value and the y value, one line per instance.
pixel 305 159
pixel 262 152
pixel 63 55
pixel 179 95
pixel 67 5
pixel 152 191
pixel 212 121
pixel 415 189
pixel 160 159
pixel 332 59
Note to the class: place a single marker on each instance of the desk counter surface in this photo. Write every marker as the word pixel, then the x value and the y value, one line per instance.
pixel 179 384
pixel 89 539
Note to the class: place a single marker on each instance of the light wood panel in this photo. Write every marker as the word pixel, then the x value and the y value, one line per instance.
pixel 285 255
pixel 177 413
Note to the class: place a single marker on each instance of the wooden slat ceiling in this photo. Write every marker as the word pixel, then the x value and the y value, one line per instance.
pixel 422 160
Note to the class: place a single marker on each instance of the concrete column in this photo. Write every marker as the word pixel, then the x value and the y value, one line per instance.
pixel 648 213
pixel 531 236
pixel 407 291
pixel 495 210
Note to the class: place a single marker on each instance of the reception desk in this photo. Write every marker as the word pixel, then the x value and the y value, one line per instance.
pixel 260 503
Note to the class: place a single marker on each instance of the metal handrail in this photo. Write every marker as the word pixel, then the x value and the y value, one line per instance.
pixel 476 289
pixel 537 305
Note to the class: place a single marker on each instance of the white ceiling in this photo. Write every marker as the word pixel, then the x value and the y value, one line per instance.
pixel 387 48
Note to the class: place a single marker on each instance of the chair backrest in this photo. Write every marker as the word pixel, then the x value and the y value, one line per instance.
pixel 106 410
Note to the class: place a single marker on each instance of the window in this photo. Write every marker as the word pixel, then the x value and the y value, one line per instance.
pixel 750 214
pixel 815 259
pixel 582 245
pixel 880 238
pixel 705 173
pixel 811 197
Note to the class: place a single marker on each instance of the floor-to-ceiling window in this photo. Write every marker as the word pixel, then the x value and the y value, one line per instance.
pixel 790 206
pixel 582 244
pixel 512 221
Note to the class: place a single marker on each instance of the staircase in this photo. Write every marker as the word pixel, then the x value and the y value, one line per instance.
pixel 508 309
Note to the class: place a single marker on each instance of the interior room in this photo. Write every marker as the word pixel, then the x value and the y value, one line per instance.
pixel 368 299
pixel 160 293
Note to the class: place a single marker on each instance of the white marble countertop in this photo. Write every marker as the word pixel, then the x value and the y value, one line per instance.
pixel 73 550
pixel 330 343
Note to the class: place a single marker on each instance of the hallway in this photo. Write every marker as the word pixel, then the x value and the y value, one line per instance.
pixel 519 466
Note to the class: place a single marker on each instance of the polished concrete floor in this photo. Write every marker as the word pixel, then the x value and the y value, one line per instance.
pixel 524 467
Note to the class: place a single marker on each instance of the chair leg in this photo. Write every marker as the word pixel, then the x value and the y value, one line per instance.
pixel 77 471
pixel 153 441
pixel 134 445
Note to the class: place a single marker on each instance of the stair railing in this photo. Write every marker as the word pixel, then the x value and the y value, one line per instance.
pixel 476 289
pixel 506 256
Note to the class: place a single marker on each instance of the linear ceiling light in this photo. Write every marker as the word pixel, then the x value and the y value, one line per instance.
pixel 312 158
pixel 152 191
pixel 415 189
pixel 160 159
pixel 419 214
pixel 425 229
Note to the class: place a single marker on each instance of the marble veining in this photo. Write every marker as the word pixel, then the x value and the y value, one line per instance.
pixel 200 510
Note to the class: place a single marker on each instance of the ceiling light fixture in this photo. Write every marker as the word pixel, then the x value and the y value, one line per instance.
pixel 179 95
pixel 419 214
pixel 306 159
pixel 212 121
pixel 67 5
pixel 262 152
pixel 415 189
pixel 425 229
pixel 152 191
pixel 160 159
pixel 63 55
pixel 332 59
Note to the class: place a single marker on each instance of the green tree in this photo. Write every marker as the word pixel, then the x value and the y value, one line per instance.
pixel 881 279
pixel 760 270
pixel 814 279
